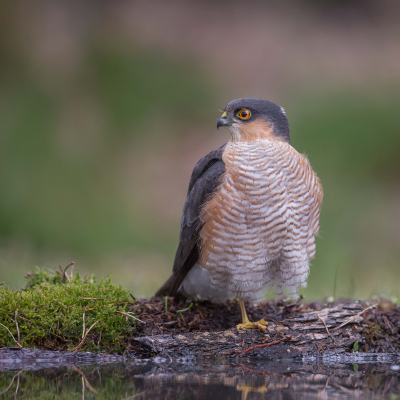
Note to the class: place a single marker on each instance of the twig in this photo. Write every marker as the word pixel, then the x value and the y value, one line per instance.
pixel 138 301
pixel 59 302
pixel 12 381
pixel 94 298
pixel 354 317
pixel 287 337
pixel 90 387
pixel 129 315
pixel 84 338
pixel 16 390
pixel 41 293
pixel 26 319
pixel 84 327
pixel 16 323
pixel 72 269
pixel 98 343
pixel 327 330
pixel 194 320
pixel 12 336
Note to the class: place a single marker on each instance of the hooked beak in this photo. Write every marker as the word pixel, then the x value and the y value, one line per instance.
pixel 223 121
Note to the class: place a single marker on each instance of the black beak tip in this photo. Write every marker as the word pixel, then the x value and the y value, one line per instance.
pixel 221 122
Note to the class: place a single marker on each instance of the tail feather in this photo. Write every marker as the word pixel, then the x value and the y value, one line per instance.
pixel 167 288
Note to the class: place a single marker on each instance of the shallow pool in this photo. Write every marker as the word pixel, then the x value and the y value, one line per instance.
pixel 41 376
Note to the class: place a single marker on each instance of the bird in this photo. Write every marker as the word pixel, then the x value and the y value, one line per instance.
pixel 251 214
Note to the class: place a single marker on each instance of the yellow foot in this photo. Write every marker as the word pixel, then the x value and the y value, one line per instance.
pixel 261 325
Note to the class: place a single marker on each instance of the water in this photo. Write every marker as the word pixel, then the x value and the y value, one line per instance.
pixel 65 377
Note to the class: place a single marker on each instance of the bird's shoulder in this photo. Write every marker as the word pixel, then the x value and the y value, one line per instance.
pixel 204 164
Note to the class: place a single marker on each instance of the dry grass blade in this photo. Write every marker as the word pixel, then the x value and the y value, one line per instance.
pixel 130 315
pixel 355 316
pixel 11 336
pixel 63 274
pixel 139 302
pixel 327 330
pixel 84 327
pixel 94 298
pixel 84 338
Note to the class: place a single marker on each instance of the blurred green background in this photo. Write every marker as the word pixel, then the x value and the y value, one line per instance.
pixel 105 107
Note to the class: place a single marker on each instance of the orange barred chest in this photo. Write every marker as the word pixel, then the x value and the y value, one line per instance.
pixel 262 206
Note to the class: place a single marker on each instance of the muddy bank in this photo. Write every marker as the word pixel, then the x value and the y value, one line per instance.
pixel 172 328
pixel 294 329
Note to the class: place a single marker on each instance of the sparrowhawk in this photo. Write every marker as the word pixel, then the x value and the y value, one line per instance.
pixel 251 213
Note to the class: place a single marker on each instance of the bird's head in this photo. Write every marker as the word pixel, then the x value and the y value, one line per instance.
pixel 250 119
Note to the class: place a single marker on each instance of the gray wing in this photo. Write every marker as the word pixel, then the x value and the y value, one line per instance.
pixel 206 177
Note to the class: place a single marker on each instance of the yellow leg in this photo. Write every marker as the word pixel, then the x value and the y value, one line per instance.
pixel 246 324
pixel 245 318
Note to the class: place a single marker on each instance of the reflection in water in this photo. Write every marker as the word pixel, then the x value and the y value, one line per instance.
pixel 210 379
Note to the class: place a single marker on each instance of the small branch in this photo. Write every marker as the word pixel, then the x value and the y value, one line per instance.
pixel 327 330
pixel 84 327
pixel 16 323
pixel 129 315
pixel 16 390
pixel 139 302
pixel 41 293
pixel 12 381
pixel 12 336
pixel 84 379
pixel 64 275
pixel 65 271
pixel 354 317
pixel 98 343
pixel 287 337
pixel 194 320
pixel 84 338
pixel 59 302
pixel 94 298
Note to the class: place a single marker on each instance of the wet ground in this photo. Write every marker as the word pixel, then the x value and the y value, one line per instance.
pixel 344 351
pixel 32 374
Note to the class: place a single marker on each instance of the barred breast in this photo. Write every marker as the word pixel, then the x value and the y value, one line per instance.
pixel 259 226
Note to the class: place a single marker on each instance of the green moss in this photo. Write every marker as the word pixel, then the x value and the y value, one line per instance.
pixel 54 308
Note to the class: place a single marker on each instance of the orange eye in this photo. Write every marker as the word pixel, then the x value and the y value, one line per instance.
pixel 244 114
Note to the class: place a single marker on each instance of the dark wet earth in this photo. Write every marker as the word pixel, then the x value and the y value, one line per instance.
pixel 31 374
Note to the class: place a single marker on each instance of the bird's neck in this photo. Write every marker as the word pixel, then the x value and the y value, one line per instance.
pixel 253 131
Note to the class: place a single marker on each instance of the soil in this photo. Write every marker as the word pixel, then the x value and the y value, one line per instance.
pixel 294 329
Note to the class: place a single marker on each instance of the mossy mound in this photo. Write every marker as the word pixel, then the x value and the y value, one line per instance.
pixel 61 311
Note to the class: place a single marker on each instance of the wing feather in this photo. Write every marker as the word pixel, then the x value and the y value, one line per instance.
pixel 205 179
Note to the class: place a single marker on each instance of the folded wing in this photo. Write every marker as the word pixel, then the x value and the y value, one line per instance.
pixel 205 179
